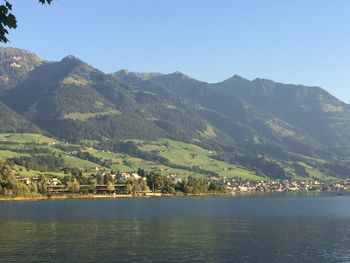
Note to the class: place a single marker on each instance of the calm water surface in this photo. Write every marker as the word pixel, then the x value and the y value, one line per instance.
pixel 279 228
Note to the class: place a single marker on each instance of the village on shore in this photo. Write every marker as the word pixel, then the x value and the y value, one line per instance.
pixel 144 184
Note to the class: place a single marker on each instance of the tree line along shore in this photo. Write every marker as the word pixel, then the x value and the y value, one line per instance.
pixel 143 183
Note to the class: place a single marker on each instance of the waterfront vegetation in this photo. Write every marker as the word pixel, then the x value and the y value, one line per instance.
pixel 143 183
pixel 74 182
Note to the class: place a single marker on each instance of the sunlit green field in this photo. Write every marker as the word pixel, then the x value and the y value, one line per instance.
pixel 192 155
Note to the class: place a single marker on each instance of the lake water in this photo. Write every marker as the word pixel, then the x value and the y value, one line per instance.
pixel 251 228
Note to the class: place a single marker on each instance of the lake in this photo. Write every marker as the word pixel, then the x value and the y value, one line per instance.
pixel 248 228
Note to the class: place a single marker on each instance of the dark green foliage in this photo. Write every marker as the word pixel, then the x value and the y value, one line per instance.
pixel 8 20
pixel 216 188
pixel 39 162
pixel 132 149
pixel 31 150
pixel 193 185
pixel 338 170
pixel 10 121
pixel 67 148
pixel 41 184
pixel 259 164
pixel 45 1
pixel 88 156
pixel 300 170
pixel 155 181
pixel 73 187
pixel 11 187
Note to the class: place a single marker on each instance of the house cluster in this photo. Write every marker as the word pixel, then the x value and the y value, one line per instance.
pixel 55 185
pixel 128 176
pixel 240 185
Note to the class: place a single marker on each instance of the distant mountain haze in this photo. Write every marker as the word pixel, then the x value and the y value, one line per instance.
pixel 274 129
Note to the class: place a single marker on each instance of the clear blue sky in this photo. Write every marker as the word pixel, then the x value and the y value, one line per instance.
pixel 295 41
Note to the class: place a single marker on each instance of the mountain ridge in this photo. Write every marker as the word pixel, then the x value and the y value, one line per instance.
pixel 268 126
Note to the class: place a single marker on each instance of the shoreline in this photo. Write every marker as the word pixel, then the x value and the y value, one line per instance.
pixel 65 197
pixel 123 196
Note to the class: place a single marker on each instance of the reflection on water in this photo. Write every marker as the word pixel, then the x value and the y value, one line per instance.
pixel 211 229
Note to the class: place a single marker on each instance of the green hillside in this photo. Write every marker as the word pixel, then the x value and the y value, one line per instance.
pixel 19 145
pixel 10 121
pixel 184 159
pixel 191 155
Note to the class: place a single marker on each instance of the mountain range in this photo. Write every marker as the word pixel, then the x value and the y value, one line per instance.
pixel 278 130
